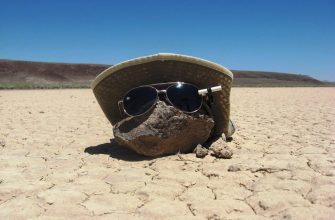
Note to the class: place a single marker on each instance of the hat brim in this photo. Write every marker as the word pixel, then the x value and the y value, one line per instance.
pixel 110 86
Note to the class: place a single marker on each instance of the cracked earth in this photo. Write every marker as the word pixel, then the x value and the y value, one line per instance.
pixel 57 161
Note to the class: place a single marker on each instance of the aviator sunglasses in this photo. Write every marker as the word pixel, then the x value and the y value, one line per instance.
pixel 183 96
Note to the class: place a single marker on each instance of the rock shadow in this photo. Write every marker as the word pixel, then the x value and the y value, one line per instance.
pixel 114 150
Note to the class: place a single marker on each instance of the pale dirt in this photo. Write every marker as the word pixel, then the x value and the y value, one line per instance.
pixel 283 165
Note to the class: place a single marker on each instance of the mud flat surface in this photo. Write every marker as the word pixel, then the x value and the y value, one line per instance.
pixel 57 162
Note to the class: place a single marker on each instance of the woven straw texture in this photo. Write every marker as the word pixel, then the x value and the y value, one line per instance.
pixel 112 84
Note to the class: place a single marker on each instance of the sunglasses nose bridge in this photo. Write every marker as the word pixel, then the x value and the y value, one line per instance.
pixel 161 94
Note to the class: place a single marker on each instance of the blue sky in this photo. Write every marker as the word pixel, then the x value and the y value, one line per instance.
pixel 274 35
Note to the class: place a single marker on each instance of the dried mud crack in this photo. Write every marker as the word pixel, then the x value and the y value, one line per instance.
pixel 283 163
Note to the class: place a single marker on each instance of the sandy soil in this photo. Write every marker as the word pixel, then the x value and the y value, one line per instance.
pixel 56 162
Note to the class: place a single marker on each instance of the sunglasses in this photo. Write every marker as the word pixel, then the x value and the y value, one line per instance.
pixel 183 96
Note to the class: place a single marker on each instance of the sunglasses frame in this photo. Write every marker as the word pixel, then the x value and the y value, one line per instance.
pixel 158 92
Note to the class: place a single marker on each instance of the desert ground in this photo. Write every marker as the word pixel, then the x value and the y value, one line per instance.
pixel 57 161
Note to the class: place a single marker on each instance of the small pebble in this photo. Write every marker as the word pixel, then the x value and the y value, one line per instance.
pixel 2 143
pixel 234 168
pixel 220 149
pixel 200 151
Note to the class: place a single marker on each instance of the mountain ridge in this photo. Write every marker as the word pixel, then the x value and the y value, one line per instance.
pixel 34 74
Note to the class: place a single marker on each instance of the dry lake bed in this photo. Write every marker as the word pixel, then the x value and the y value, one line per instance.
pixel 57 161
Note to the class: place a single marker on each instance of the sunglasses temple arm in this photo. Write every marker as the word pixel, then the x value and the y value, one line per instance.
pixel 204 92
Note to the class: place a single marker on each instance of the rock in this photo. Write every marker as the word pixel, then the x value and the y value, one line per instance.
pixel 200 151
pixel 231 129
pixel 220 149
pixel 2 143
pixel 234 168
pixel 223 137
pixel 164 130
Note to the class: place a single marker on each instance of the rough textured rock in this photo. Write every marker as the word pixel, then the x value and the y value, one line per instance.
pixel 220 149
pixel 164 130
pixel 200 151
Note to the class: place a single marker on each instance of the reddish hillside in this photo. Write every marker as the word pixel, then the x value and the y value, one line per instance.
pixel 26 74
pixel 26 71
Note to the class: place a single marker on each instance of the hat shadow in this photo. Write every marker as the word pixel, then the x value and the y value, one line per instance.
pixel 114 150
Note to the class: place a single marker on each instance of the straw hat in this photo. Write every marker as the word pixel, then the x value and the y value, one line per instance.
pixel 111 85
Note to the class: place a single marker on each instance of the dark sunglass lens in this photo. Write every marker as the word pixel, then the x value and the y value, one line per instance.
pixel 139 100
pixel 184 97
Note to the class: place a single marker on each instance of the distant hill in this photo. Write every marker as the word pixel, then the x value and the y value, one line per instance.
pixel 246 78
pixel 27 74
